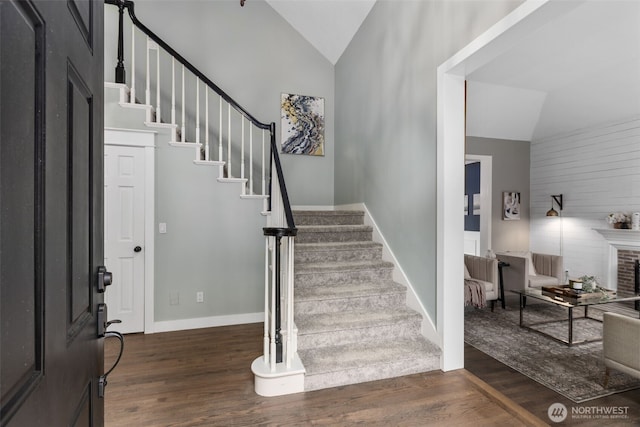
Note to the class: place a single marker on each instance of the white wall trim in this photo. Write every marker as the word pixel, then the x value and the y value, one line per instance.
pixel 427 328
pixel 207 322
pixel 146 141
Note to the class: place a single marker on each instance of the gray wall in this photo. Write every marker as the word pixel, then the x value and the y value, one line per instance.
pixel 254 55
pixel 214 239
pixel 510 169
pixel 213 242
pixel 386 120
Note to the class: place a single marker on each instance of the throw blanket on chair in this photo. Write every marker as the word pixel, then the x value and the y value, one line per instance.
pixel 474 293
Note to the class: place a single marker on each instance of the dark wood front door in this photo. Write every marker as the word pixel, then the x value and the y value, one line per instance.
pixel 51 226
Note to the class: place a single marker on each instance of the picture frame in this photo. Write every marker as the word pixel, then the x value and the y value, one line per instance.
pixel 302 124
pixel 511 205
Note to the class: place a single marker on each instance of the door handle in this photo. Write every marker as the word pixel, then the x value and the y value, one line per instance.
pixel 137 249
pixel 105 278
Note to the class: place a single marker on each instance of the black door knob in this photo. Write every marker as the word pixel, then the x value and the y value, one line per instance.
pixel 137 249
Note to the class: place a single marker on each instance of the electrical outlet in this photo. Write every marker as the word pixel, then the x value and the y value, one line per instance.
pixel 200 296
pixel 174 298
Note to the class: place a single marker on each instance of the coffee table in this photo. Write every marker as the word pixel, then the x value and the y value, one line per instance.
pixel 537 294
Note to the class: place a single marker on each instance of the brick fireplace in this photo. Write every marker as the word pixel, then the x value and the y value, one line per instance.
pixel 626 262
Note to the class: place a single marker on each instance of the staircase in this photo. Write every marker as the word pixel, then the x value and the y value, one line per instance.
pixel 352 319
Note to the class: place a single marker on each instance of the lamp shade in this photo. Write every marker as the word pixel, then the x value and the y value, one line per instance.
pixel 552 212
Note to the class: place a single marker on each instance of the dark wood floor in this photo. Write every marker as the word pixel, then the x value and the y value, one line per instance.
pixel 537 398
pixel 203 378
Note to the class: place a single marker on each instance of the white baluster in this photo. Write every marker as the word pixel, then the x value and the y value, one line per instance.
pixel 147 97
pixel 158 115
pixel 229 141
pixel 182 133
pixel 244 185
pixel 206 123
pixel 264 184
pixel 220 129
pixel 250 158
pixel 132 94
pixel 173 98
pixel 197 118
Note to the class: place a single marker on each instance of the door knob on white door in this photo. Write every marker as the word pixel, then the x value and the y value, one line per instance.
pixel 137 249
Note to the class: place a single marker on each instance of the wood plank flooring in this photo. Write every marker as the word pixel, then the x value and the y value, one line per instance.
pixel 203 378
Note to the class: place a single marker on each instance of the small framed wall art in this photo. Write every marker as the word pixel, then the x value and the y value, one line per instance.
pixel 510 205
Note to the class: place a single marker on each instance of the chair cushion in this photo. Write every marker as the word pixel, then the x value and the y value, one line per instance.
pixel 540 281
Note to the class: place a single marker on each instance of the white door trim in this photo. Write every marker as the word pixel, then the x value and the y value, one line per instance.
pixel 146 140
pixel 486 199
pixel 503 36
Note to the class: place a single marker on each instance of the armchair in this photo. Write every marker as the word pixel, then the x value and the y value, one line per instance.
pixel 531 270
pixel 484 270
pixel 621 344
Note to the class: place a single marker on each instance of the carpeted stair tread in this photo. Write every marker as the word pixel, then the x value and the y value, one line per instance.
pixel 357 355
pixel 337 251
pixel 332 292
pixel 328 217
pixel 350 320
pixel 336 246
pixel 332 228
pixel 322 267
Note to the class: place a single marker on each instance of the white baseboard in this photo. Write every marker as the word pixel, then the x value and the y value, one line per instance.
pixel 206 322
pixel 428 328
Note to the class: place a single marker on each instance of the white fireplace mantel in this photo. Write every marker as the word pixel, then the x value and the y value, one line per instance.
pixel 627 237
pixel 618 239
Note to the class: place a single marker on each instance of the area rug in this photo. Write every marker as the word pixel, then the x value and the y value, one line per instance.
pixel 575 372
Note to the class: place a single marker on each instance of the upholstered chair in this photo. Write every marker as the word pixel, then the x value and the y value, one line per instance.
pixel 621 345
pixel 484 270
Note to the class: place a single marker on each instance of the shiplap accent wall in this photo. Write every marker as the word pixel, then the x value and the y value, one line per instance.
pixel 598 172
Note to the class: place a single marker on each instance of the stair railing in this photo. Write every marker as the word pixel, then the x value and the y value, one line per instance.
pixel 280 231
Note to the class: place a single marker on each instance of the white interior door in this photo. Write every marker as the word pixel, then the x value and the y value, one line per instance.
pixel 124 195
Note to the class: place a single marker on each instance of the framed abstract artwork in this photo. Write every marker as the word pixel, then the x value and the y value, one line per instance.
pixel 302 124
pixel 510 205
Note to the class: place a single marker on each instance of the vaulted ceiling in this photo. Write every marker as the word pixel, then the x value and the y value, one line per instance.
pixel 329 25
pixel 581 69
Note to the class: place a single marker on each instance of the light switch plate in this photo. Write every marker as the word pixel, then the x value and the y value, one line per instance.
pixel 162 228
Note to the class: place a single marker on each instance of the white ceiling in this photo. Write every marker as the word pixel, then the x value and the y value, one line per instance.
pixel 329 25
pixel 577 71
